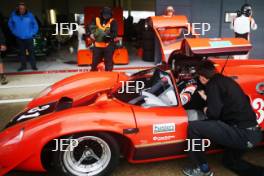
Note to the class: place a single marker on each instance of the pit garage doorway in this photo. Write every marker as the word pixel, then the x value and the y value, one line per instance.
pixel 60 52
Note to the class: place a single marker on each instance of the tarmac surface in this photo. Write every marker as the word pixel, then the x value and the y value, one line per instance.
pixel 23 87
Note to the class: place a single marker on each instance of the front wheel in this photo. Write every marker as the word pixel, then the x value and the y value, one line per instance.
pixel 95 155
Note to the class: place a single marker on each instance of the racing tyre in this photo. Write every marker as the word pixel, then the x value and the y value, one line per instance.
pixel 96 154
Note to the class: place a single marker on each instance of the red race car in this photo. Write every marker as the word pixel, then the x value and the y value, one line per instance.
pixel 83 124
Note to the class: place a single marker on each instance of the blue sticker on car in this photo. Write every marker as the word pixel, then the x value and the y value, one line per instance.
pixel 219 44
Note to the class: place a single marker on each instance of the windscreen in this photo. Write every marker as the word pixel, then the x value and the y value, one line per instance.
pixel 148 88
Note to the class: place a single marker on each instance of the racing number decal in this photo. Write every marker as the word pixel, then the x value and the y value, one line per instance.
pixel 38 109
pixel 35 112
pixel 258 105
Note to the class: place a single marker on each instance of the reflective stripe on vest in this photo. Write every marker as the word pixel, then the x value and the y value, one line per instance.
pixel 104 27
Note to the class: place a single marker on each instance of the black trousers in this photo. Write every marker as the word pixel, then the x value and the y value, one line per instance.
pixel 23 45
pixel 106 53
pixel 235 140
pixel 244 36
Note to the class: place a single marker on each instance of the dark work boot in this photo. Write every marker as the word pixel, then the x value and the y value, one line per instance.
pixel 22 68
pixel 35 68
pixel 3 79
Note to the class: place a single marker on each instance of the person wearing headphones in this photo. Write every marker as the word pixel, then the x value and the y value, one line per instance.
pixel 24 26
pixel 102 31
pixel 243 24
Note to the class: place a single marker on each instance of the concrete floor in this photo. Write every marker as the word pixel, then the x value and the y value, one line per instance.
pixel 167 168
pixel 28 86
pixel 64 60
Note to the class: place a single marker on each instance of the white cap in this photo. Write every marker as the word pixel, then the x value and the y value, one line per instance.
pixel 170 8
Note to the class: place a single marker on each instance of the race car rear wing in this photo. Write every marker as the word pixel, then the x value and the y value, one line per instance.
pixel 161 22
pixel 193 45
pixel 174 21
pixel 215 46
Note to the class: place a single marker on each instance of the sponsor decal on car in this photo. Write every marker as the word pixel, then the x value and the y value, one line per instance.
pixel 163 138
pixel 164 128
pixel 143 141
pixel 219 44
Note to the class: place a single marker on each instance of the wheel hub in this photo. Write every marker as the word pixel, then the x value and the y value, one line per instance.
pixel 90 157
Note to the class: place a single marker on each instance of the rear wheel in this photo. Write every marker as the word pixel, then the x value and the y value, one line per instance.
pixel 95 155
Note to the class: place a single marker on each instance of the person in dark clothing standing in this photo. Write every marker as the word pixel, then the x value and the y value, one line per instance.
pixel 231 122
pixel 2 48
pixel 103 30
pixel 24 26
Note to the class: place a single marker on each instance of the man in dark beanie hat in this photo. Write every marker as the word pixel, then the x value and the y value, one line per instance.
pixel 103 30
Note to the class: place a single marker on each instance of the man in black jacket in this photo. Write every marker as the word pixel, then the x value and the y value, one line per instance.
pixel 103 30
pixel 231 122
pixel 2 48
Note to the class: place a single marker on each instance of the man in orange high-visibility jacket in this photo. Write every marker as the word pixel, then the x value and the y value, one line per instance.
pixel 103 30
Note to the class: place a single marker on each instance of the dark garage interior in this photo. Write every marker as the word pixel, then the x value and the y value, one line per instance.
pixel 65 48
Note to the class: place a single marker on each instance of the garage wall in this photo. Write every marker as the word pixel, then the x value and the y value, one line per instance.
pixel 213 12
pixel 148 5
pixel 77 6
pixel 7 6
pixel 38 7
